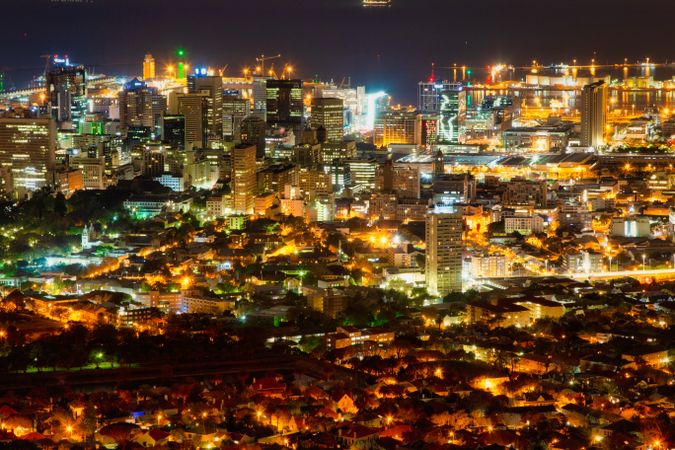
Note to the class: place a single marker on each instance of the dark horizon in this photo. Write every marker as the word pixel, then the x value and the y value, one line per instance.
pixel 388 48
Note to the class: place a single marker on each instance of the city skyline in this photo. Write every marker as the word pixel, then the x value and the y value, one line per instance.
pixel 376 46
pixel 346 224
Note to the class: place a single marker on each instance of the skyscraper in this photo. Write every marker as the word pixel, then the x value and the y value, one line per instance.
pixel 140 105
pixel 395 125
pixel 444 253
pixel 452 113
pixel 27 152
pixel 67 93
pixel 194 108
pixel 593 114
pixel 285 106
pixel 252 132
pixel 173 131
pixel 148 67
pixel 212 88
pixel 234 111
pixel 329 114
pixel 244 181
pixel 259 97
pixel 429 94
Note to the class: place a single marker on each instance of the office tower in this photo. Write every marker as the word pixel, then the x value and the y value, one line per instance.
pixel 453 188
pixel 67 93
pixel 285 106
pixel 523 192
pixel 194 108
pixel 153 161
pixel 329 114
pixel 452 113
pixel 148 67
pixel 426 129
pixel 384 176
pixel 234 111
pixel 335 152
pixel 92 169
pixel 444 253
pixel 244 180
pixel 362 173
pixel 173 131
pixel 2 82
pixel 140 105
pixel 354 100
pixel 395 125
pixel 593 114
pixel 429 94
pixel 212 88
pixel 259 97
pixel 27 153
pixel 253 133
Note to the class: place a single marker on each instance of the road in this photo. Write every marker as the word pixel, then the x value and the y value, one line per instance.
pixel 147 373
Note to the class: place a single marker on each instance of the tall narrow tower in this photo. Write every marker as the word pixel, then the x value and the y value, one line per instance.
pixel 243 178
pixel 593 114
pixel 148 67
pixel 444 253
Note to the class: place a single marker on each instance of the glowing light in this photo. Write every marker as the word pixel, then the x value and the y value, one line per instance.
pixel 371 100
pixel 185 282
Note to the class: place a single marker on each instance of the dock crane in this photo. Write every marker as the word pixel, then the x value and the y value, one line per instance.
pixel 262 59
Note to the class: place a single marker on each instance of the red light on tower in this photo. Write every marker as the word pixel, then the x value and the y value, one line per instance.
pixel 432 77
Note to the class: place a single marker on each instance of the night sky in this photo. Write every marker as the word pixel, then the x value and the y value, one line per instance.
pixel 385 48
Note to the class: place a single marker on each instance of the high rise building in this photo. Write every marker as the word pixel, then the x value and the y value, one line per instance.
pixel 27 153
pixel 362 173
pixel 395 125
pixel 140 105
pixel 426 129
pixel 194 108
pixel 244 179
pixel 329 114
pixel 173 131
pixel 452 113
pixel 212 88
pixel 429 94
pixel 285 105
pixel 444 253
pixel 253 132
pixel 353 99
pixel 148 67
pixel 593 114
pixel 67 93
pixel 259 97
pixel 234 111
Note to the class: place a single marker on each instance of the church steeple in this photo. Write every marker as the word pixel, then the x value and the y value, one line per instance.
pixel 85 238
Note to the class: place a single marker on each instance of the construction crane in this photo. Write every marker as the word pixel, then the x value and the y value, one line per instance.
pixel 48 60
pixel 262 59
